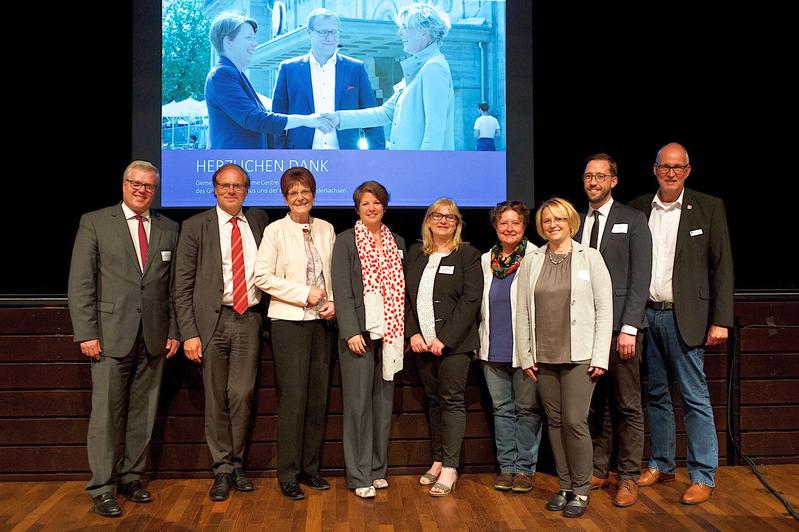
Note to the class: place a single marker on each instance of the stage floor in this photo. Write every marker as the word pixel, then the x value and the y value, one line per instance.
pixel 739 503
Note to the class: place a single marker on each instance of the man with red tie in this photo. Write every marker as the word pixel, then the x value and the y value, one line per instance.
pixel 124 320
pixel 221 319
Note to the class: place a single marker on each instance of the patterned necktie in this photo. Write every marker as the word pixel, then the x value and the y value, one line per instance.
pixel 144 246
pixel 594 231
pixel 240 299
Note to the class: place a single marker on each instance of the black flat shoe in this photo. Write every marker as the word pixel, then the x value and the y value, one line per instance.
pixel 292 490
pixel 241 482
pixel 135 492
pixel 316 482
pixel 106 505
pixel 220 490
pixel 576 507
pixel 559 501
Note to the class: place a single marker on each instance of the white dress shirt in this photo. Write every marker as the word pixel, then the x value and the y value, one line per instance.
pixel 604 212
pixel 250 251
pixel 133 227
pixel 323 80
pixel 664 221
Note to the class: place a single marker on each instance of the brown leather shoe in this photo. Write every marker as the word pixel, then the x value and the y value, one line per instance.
pixel 522 482
pixel 650 477
pixel 696 494
pixel 627 494
pixel 504 482
pixel 598 483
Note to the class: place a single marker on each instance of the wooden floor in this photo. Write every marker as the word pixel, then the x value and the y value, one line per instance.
pixel 740 503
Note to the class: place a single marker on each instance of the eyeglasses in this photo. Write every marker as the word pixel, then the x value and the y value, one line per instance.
pixel 550 221
pixel 297 193
pixel 600 178
pixel 236 187
pixel 327 33
pixel 679 169
pixel 138 185
pixel 437 216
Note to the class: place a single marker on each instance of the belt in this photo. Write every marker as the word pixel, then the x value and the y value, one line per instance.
pixel 660 305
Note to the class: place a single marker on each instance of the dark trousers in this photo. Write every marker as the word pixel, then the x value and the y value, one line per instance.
pixel 302 351
pixel 368 403
pixel 120 386
pixel 617 418
pixel 230 364
pixel 444 382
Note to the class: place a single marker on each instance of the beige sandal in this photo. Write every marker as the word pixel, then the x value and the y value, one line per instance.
pixel 380 483
pixel 443 489
pixel 428 479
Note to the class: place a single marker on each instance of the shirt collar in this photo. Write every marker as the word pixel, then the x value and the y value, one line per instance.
pixel 130 214
pixel 314 62
pixel 604 210
pixel 658 203
pixel 225 217
pixel 412 65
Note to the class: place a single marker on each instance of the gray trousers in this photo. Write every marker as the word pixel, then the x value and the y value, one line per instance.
pixel 368 403
pixel 121 387
pixel 566 391
pixel 230 365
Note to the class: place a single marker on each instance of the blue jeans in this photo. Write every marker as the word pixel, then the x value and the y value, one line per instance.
pixel 517 417
pixel 666 354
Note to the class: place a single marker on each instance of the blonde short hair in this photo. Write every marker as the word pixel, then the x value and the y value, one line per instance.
pixel 421 15
pixel 428 246
pixel 227 24
pixel 561 208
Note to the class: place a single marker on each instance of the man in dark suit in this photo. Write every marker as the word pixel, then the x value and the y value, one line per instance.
pixel 324 81
pixel 221 319
pixel 622 236
pixel 690 305
pixel 123 317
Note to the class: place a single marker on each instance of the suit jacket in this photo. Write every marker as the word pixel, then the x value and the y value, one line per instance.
pixel 198 272
pixel 236 117
pixel 626 246
pixel 591 306
pixel 703 279
pixel 109 295
pixel 293 94
pixel 456 297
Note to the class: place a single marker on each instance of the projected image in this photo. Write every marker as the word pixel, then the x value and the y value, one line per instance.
pixel 411 94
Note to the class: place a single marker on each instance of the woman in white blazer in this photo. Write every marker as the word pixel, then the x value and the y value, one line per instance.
pixel 293 267
pixel 563 332
pixel 517 413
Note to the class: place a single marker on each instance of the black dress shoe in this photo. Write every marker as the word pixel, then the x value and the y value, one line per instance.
pixel 106 505
pixel 559 501
pixel 292 490
pixel 241 482
pixel 220 490
pixel 135 492
pixel 315 481
pixel 575 507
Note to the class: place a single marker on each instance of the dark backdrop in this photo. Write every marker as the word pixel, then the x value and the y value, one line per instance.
pixel 607 77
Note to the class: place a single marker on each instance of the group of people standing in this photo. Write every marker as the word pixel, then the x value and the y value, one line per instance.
pixel 547 324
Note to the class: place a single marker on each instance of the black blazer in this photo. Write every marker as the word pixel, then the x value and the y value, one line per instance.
pixel 347 278
pixel 456 297
pixel 703 273
pixel 628 256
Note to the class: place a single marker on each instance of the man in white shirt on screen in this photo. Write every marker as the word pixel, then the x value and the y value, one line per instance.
pixel 486 127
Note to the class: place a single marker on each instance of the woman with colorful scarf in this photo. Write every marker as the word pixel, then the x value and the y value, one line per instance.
pixel 369 283
pixel 517 412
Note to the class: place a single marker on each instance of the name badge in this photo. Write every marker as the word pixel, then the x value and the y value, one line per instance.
pixel 584 275
pixel 696 232
pixel 401 254
pixel 446 270
pixel 166 256
pixel 619 228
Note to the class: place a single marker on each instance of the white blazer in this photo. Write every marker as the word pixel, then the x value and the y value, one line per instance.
pixel 488 277
pixel 281 263
pixel 591 306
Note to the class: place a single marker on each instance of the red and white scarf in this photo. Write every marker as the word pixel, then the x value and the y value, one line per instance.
pixel 383 276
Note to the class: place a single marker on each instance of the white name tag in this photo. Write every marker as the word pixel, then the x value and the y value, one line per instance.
pixel 446 270
pixel 401 254
pixel 584 275
pixel 166 256
pixel 696 232
pixel 619 228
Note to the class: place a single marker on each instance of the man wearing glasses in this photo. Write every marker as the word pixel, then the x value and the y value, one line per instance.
pixel 621 234
pixel 123 318
pixel 324 81
pixel 690 305
pixel 221 318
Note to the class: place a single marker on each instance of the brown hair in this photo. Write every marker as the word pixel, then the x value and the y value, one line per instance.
pixel 516 206
pixel 614 169
pixel 372 187
pixel 295 175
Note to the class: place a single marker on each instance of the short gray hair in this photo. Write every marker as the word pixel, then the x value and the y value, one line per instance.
pixel 320 12
pixel 227 24
pixel 144 166
pixel 425 16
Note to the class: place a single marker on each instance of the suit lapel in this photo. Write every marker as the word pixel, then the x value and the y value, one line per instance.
pixel 214 246
pixel 121 226
pixel 255 226
pixel 686 223
pixel 306 81
pixel 340 79
pixel 608 227
pixel 155 241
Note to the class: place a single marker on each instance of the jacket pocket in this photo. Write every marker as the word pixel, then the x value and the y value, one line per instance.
pixel 704 293
pixel 620 292
pixel 106 306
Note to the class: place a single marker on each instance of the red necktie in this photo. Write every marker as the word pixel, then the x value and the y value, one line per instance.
pixel 144 246
pixel 240 299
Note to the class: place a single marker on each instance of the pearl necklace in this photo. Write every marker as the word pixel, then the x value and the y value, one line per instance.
pixel 549 254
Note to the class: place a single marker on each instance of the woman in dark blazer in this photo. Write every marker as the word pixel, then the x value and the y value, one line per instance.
pixel 369 283
pixel 445 287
